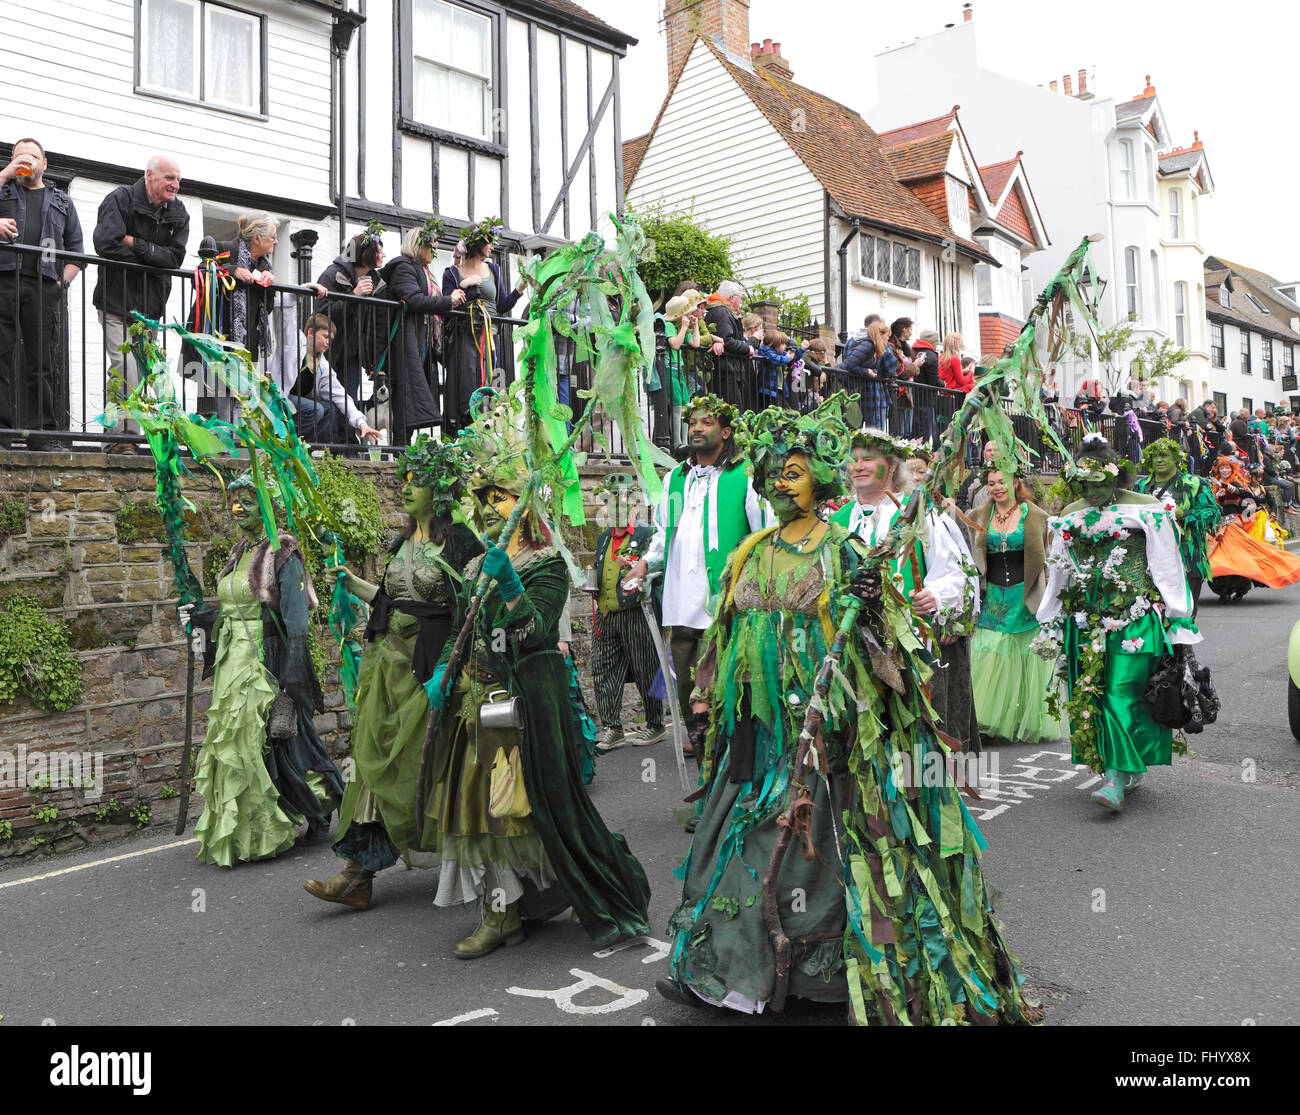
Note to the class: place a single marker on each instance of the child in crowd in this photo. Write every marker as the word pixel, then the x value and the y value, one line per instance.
pixel 752 324
pixel 326 414
pixel 774 367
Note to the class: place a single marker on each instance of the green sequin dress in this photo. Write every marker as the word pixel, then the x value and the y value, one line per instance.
pixel 241 818
pixel 1011 683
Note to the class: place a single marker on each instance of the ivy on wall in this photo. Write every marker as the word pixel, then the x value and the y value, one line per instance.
pixel 35 659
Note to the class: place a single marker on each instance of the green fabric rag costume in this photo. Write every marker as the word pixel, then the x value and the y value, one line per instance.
pixel 1198 514
pixel 377 817
pixel 563 840
pixel 885 903
pixel 241 819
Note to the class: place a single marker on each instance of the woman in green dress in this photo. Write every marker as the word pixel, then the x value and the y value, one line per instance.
pixel 410 619
pixel 263 769
pixel 1116 602
pixel 881 890
pixel 544 846
pixel 1010 681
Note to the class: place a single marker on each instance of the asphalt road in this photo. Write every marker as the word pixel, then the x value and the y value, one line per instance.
pixel 1180 910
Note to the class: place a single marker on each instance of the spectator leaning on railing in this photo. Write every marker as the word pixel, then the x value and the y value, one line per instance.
pixel 927 380
pixel 353 271
pixel 34 385
pixel 733 357
pixel 144 223
pixel 327 413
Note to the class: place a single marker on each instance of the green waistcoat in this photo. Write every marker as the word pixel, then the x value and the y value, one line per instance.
pixel 733 523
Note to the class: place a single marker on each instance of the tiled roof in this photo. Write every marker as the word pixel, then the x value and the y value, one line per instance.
pixel 844 154
pixel 1178 161
pixel 633 152
pixel 1134 108
pixel 920 158
pixel 913 132
pixel 998 175
pixel 568 8
pixel 1247 280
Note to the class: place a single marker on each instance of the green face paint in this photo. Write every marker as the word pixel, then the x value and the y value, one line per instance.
pixel 1163 464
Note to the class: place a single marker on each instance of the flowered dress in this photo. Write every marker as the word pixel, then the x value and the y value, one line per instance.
pixel 883 898
pixel 1116 601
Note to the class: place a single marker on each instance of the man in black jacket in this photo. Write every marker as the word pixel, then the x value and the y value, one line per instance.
pixel 924 426
pixel 734 378
pixel 144 223
pixel 34 377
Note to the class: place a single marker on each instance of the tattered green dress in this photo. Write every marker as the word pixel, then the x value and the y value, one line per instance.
pixel 884 898
pixel 563 842
pixel 377 817
pixel 241 819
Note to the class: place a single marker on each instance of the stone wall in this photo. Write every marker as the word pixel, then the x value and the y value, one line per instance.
pixel 89 552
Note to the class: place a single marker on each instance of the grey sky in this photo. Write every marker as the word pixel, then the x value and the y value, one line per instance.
pixel 1218 70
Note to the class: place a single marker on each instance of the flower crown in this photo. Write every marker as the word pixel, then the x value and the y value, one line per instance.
pixel 722 410
pixel 430 233
pixel 373 233
pixel 439 466
pixel 486 231
pixel 879 441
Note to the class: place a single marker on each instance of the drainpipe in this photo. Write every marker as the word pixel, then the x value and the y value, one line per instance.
pixel 843 253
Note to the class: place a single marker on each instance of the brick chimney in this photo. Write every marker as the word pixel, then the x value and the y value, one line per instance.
pixel 1083 82
pixel 967 12
pixel 725 23
pixel 766 56
pixel 1068 85
pixel 1150 90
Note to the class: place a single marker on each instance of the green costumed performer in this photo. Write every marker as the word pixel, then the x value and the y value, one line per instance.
pixel 1009 680
pixel 515 828
pixel 1116 602
pixel 1195 507
pixel 262 767
pixel 883 899
pixel 410 619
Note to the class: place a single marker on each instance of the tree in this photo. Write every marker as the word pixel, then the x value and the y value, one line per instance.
pixel 1110 345
pixel 1153 360
pixel 793 311
pixel 682 249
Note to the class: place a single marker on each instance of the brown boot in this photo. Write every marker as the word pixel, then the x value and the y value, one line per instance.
pixel 497 929
pixel 351 886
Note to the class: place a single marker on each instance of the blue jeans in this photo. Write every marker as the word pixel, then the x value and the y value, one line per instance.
pixel 320 423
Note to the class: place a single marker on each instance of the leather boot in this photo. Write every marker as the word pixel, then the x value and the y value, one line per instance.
pixel 496 929
pixel 351 886
pixel 1111 792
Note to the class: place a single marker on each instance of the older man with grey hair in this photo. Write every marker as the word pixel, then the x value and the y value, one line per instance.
pixel 734 378
pixel 144 224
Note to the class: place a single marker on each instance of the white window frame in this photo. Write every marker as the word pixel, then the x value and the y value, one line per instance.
pixel 1180 314
pixel 1127 170
pixel 1175 214
pixel 1157 294
pixel 1151 172
pixel 1220 350
pixel 458 126
pixel 198 95
pixel 958 194
pixel 1133 280
pixel 1266 358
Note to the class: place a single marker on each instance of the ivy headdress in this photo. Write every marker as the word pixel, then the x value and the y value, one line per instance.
pixel 1163 445
pixel 430 233
pixel 373 233
pixel 722 410
pixel 487 231
pixel 821 436
pixel 440 466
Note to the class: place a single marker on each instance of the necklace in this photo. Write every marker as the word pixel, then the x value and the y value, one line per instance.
pixel 1003 518
pixel 795 547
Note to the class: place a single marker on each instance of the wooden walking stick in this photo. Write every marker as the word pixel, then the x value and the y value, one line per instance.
pixel 183 806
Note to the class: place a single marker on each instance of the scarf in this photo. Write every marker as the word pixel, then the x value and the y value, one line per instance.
pixel 239 330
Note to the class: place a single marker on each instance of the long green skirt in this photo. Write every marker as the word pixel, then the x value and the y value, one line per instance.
pixel 389 727
pixel 1011 685
pixel 241 819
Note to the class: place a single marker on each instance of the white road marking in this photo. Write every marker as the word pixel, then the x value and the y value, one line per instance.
pixel 98 863
pixel 486 1012
pixel 660 949
pixel 563 996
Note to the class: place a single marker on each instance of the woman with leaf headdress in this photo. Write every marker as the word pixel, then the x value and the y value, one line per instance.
pixel 540 846
pixel 881 892
pixel 355 271
pixel 410 619
pixel 412 366
pixel 263 767
pixel 471 357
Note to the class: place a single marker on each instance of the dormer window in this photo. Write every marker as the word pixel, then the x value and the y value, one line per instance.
pixel 1256 303
pixel 958 206
pixel 1225 298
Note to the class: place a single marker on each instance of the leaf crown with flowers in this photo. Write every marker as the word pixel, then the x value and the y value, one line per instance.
pixel 821 436
pixel 722 410
pixel 1163 445
pixel 430 233
pixel 373 233
pixel 440 466
pixel 487 231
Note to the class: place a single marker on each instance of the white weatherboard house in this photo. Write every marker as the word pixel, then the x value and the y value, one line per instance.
pixel 1106 176
pixel 800 182
pixel 475 108
pixel 1253 322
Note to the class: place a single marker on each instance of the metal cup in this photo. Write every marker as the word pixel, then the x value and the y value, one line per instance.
pixel 501 710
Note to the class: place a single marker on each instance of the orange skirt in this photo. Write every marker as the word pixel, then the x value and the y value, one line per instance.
pixel 1236 553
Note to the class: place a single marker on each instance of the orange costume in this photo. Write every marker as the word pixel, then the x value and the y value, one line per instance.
pixel 1234 552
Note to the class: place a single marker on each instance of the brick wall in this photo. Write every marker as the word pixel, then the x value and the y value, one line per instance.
pixel 114 594
pixel 725 22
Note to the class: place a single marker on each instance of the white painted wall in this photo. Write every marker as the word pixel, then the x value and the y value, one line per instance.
pixel 1236 384
pixel 775 217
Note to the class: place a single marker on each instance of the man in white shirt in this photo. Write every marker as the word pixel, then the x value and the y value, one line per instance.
pixel 708 507
pixel 327 414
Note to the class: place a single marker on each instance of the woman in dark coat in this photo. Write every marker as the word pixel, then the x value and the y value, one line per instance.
pixel 412 355
pixel 354 271
pixel 470 340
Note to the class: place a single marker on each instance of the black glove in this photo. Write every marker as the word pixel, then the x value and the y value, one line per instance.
pixel 868 585
pixel 697 727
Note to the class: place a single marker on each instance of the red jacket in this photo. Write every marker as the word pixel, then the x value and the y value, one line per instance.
pixel 952 376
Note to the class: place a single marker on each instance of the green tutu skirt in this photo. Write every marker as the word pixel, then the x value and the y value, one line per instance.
pixel 1011 684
